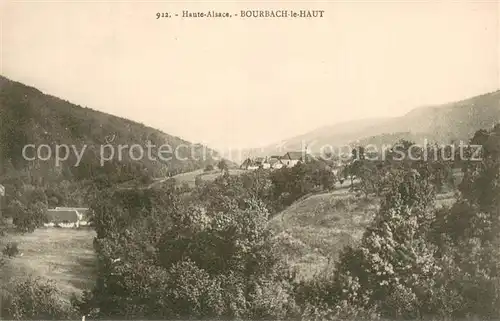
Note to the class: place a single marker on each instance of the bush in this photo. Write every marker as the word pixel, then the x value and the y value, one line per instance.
pixel 11 249
pixel 27 218
pixel 198 181
pixel 33 299
pixel 185 187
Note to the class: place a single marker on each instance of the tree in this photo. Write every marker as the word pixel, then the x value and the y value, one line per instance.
pixel 222 165
pixel 27 218
pixel 206 256
pixel 468 234
pixel 358 153
pixel 198 181
pixel 394 260
pixel 33 299
pixel 417 262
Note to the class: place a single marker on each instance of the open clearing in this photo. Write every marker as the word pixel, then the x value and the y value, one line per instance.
pixel 210 176
pixel 190 177
pixel 65 256
pixel 314 230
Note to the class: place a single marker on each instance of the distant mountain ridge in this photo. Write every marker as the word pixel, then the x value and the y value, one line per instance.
pixel 441 123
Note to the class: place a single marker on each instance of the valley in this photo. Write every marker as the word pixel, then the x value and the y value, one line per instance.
pixel 172 236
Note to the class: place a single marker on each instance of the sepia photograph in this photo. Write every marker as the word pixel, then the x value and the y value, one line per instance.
pixel 250 160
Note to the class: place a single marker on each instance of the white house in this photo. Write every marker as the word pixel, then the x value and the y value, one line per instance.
pixel 275 162
pixel 67 217
pixel 62 218
pixel 262 162
pixel 291 159
pixel 256 163
pixel 248 164
pixel 83 213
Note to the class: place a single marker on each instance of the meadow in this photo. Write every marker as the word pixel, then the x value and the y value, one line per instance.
pixel 190 177
pixel 313 230
pixel 65 256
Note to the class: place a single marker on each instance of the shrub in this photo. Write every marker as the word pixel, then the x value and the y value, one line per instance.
pixel 198 181
pixel 33 299
pixel 11 249
pixel 185 187
pixel 27 218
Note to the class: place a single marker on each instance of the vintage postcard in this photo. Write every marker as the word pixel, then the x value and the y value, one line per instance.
pixel 249 160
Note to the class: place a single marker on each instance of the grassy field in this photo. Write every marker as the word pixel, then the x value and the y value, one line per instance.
pixel 190 177
pixel 65 256
pixel 313 231
pixel 210 176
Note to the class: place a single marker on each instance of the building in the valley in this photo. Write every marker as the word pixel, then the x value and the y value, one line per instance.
pixel 83 213
pixel 248 164
pixel 275 162
pixel 291 159
pixel 255 163
pixel 262 162
pixel 67 217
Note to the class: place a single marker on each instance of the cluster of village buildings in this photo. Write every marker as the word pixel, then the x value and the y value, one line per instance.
pixel 290 159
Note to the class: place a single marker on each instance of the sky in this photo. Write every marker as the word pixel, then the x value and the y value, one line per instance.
pixel 251 82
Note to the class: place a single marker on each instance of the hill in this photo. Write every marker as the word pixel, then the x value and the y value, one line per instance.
pixel 442 123
pixel 30 117
pixel 336 134
pixel 312 231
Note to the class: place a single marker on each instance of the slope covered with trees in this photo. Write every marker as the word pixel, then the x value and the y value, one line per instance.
pixel 30 117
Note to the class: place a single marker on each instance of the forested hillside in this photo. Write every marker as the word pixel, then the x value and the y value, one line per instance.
pixel 28 116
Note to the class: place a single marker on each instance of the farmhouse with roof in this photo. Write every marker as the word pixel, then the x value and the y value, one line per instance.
pixel 258 162
pixel 249 164
pixel 275 162
pixel 291 159
pixel 262 162
pixel 67 217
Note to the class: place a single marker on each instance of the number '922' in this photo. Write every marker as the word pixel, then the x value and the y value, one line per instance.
pixel 163 15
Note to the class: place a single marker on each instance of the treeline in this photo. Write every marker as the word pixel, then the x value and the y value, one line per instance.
pixel 436 163
pixel 170 254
